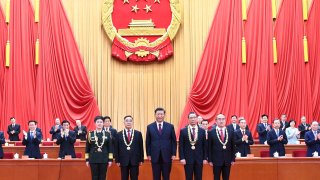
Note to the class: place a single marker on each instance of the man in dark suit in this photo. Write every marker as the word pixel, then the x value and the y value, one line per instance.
pixel 128 150
pixel 312 139
pixel 31 140
pixel 192 148
pixel 233 126
pixel 204 126
pixel 161 145
pixel 284 124
pixel 99 150
pixel 81 131
pixel 221 153
pixel 109 128
pixel 263 128
pixel 276 139
pixel 55 130
pixel 2 141
pixel 66 140
pixel 303 127
pixel 13 130
pixel 243 139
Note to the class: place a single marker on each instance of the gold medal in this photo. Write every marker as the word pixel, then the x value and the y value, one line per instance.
pixel 99 150
pixel 193 147
pixel 224 147
pixel 128 148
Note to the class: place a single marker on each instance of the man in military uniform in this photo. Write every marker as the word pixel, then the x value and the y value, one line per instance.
pixel 99 150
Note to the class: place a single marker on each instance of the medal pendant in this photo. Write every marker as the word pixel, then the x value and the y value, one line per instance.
pixel 128 148
pixel 193 147
pixel 224 147
pixel 99 150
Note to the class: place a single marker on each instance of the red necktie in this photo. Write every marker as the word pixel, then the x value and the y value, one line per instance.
pixel 221 135
pixel 193 133
pixel 129 136
pixel 160 129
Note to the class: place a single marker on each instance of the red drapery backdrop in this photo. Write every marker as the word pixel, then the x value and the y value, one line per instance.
pixel 224 85
pixel 63 89
pixel 58 86
pixel 313 35
pixel 19 79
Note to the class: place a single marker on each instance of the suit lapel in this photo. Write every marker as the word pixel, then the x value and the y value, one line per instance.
pixel 156 128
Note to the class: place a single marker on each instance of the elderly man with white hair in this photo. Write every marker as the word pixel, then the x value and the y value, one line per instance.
pixel 81 131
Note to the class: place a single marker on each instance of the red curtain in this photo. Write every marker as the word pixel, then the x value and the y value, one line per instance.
pixel 219 85
pixel 19 79
pixel 3 40
pixel 63 89
pixel 223 85
pixel 58 86
pixel 313 35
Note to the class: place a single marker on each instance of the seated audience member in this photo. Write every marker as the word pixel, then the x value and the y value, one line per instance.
pixel 31 140
pixel 243 139
pixel 312 139
pixel 276 139
pixel 81 131
pixel 55 130
pixel 66 140
pixel 303 127
pixel 292 133
pixel 263 128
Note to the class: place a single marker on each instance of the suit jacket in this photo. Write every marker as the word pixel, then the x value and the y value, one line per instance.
pixel 83 135
pixel 285 126
pixel 312 144
pixel 135 155
pixel 15 135
pixel 39 130
pixel 274 144
pixel 66 144
pixel 55 133
pixel 243 147
pixel 216 154
pixel 303 130
pixel 2 141
pixel 113 132
pixel 230 127
pixel 262 131
pixel 196 155
pixel 164 143
pixel 32 145
pixel 93 155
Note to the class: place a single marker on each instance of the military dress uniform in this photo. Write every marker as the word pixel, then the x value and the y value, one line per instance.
pixel 99 151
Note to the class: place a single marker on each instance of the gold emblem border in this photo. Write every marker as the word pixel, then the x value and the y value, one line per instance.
pixel 107 9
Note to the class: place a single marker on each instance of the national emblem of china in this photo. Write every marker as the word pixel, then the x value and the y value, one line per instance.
pixel 141 30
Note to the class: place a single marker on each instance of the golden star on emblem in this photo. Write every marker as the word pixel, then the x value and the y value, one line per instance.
pixel 147 8
pixel 157 1
pixel 135 8
pixel 125 1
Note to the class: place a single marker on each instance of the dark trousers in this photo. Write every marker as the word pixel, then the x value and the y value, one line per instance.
pixel 98 171
pixel 133 171
pixel 161 167
pixel 225 169
pixel 195 170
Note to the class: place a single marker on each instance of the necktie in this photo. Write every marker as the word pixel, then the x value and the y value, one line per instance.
pixel 265 125
pixel 129 136
pixel 315 134
pixel 243 133
pixel 206 134
pixel 193 133
pixel 221 135
pixel 13 125
pixel 31 135
pixel 234 127
pixel 277 132
pixel 160 129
